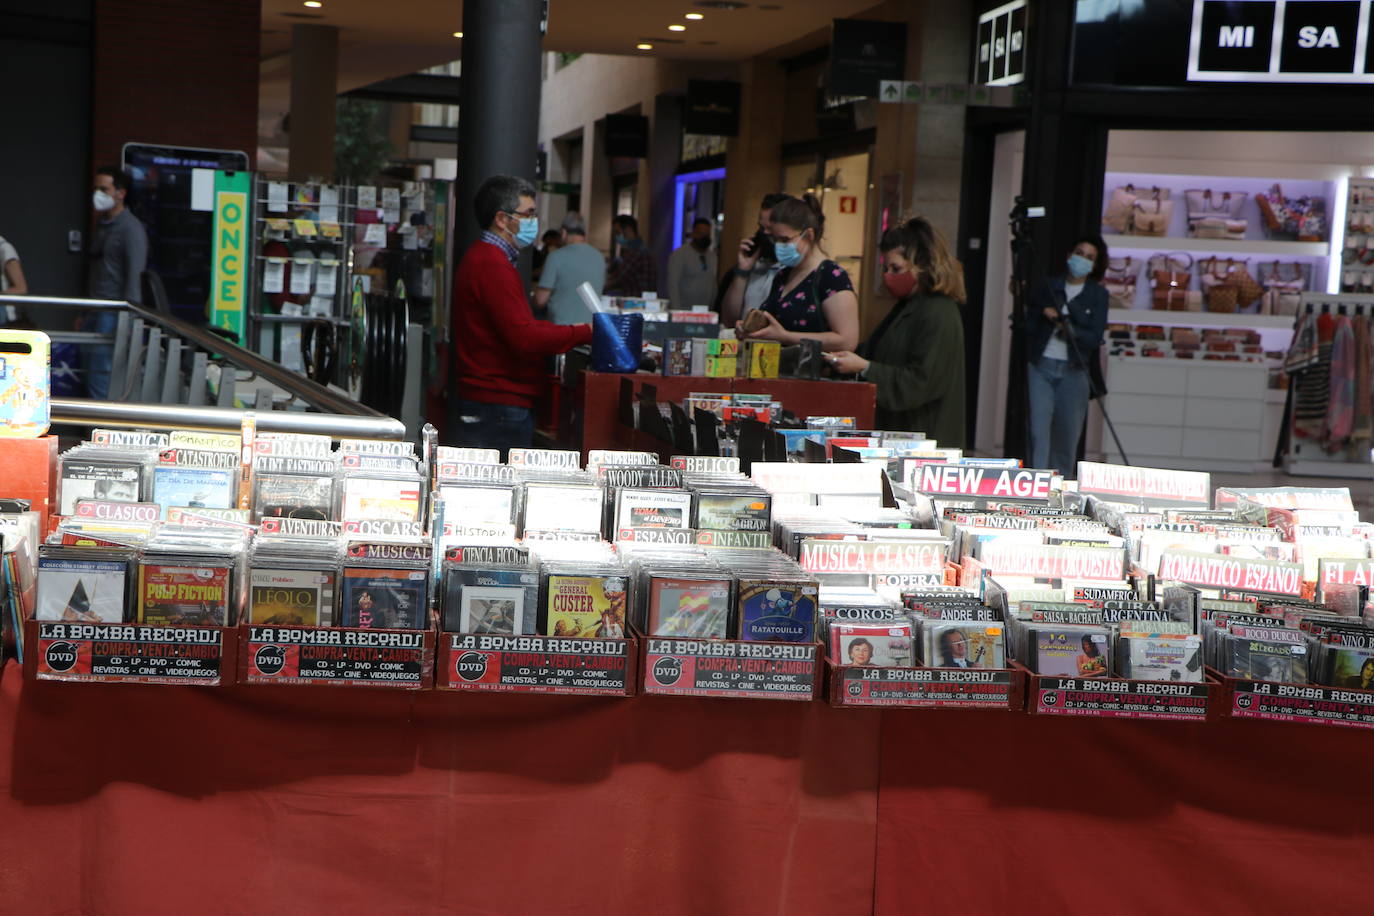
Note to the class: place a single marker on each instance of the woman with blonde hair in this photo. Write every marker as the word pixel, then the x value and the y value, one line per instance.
pixel 916 355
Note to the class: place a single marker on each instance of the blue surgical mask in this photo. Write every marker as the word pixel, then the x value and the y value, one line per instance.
pixel 621 240
pixel 1079 266
pixel 787 254
pixel 529 231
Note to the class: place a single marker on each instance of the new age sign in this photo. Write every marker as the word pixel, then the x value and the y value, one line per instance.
pixel 971 480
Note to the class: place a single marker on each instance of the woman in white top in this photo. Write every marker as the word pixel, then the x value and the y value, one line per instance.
pixel 12 282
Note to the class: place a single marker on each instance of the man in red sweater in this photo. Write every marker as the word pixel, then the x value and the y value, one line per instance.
pixel 498 345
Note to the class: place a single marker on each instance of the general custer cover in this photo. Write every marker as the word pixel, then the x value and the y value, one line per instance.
pixel 585 606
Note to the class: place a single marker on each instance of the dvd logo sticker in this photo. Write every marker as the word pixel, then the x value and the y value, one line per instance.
pixel 60 657
pixel 667 670
pixel 269 660
pixel 470 666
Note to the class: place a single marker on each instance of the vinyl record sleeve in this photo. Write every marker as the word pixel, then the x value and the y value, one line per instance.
pixel 653 509
pixel 109 480
pixel 489 584
pixel 964 645
pixel 777 611
pixel 208 488
pixel 393 599
pixel 185 594
pixel 697 608
pixel 293 496
pixel 1065 652
pixel 379 499
pixel 592 605
pixel 81 590
pixel 292 597
pixel 881 646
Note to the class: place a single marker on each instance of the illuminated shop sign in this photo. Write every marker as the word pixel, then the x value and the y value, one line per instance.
pixel 1281 41
pixel 1000 54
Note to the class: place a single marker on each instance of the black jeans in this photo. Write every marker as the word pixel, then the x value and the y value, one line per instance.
pixel 482 425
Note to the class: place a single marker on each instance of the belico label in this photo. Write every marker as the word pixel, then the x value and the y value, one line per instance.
pixel 118 512
pixel 332 655
pixel 705 464
pixel 724 668
pixel 918 688
pixel 537 664
pixel 1302 703
pixel 966 480
pixel 130 654
pixel 1121 699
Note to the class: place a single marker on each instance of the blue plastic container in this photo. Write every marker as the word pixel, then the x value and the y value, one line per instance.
pixel 616 342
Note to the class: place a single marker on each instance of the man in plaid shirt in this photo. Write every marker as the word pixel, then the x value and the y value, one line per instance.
pixel 632 271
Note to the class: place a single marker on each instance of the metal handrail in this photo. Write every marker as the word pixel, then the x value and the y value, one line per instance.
pixel 307 390
pixel 87 412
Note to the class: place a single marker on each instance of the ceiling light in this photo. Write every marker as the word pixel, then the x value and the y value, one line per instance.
pixel 644 46
pixel 677 28
pixel 457 34
pixel 694 16
pixel 314 4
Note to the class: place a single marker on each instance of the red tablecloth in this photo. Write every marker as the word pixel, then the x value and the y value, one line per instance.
pixel 155 800
pixel 275 800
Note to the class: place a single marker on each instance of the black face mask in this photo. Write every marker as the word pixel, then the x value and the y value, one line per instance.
pixel 764 246
pixel 701 244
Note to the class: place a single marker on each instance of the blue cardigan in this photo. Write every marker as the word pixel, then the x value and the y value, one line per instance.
pixel 1087 317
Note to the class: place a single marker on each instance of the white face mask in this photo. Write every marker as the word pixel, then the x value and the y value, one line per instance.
pixel 102 201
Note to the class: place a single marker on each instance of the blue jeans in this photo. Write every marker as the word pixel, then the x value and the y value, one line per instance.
pixel 99 358
pixel 478 424
pixel 1057 397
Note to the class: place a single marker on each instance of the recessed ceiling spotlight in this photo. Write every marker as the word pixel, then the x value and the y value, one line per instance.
pixel 457 34
pixel 644 46
pixel 313 4
pixel 721 4
pixel 694 16
pixel 677 28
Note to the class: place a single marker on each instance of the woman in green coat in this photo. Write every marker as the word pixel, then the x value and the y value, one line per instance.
pixel 916 356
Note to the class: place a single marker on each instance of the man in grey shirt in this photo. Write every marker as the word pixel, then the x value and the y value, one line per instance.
pixel 566 269
pixel 119 254
pixel 692 275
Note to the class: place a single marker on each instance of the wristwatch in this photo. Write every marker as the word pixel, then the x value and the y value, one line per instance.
pixel 741 272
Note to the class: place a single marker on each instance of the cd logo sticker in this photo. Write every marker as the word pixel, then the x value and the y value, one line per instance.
pixel 60 656
pixel 1049 698
pixel 270 659
pixel 855 688
pixel 1243 700
pixel 470 666
pixel 668 670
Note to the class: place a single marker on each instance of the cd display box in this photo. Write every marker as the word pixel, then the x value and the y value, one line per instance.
pixel 520 663
pixel 672 666
pixel 859 686
pixel 1119 698
pixel 1310 704
pixel 130 653
pixel 337 656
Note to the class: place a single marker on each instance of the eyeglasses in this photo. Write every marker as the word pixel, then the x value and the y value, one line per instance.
pixel 784 239
pixel 523 214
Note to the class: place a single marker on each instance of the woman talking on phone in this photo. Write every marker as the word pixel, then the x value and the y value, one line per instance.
pixel 1064 325
pixel 915 357
pixel 812 296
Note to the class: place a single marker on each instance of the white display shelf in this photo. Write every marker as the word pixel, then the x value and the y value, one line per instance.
pixel 1158 243
pixel 1182 169
pixel 1297 467
pixel 1200 319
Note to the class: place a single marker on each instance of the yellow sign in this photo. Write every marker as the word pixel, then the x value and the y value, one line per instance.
pixel 229 278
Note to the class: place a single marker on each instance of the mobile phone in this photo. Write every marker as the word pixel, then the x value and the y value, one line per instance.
pixel 761 245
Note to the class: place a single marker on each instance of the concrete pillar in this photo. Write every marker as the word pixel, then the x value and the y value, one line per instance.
pixel 499 98
pixel 753 160
pixel 314 88
pixel 399 116
pixel 596 185
pixel 658 187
